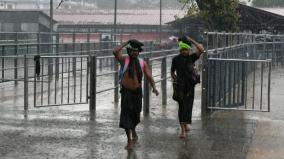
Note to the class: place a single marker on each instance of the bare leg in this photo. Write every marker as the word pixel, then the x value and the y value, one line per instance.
pixel 129 142
pixel 134 136
pixel 182 133
pixel 187 128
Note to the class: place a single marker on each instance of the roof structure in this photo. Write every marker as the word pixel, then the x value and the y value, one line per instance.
pixel 142 17
pixel 258 19
pixel 279 11
pixel 252 19
pixel 22 13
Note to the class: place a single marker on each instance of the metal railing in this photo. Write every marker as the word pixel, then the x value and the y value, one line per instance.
pixel 9 63
pixel 237 70
pixel 162 69
pixel 69 84
pixel 74 79
pixel 246 46
pixel 239 84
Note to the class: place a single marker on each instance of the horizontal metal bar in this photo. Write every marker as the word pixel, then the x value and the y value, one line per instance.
pixel 157 81
pixel 170 50
pixel 221 108
pixel 109 73
pixel 161 57
pixel 157 58
pixel 68 56
pixel 229 47
pixel 105 57
pixel 157 63
pixel 156 75
pixel 19 56
pixel 105 90
pixel 56 105
pixel 219 33
pixel 144 53
pixel 20 79
pixel 242 34
pixel 240 60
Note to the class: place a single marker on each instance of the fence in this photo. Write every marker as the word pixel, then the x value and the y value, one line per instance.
pixel 238 70
pixel 75 79
pixel 15 47
pixel 19 43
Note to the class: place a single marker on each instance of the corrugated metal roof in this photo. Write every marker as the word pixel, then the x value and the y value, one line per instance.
pixel 147 17
pixel 279 11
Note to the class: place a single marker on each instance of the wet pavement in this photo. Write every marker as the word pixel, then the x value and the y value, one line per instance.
pixel 51 136
pixel 68 132
pixel 268 140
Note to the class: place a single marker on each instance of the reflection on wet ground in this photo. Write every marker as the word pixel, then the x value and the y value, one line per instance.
pixel 71 134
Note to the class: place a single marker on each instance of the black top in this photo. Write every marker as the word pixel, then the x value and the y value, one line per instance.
pixel 181 63
pixel 184 67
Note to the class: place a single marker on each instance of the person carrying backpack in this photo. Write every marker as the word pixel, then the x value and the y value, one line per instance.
pixel 131 73
pixel 185 78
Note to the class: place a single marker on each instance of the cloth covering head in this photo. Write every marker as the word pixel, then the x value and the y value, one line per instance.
pixel 184 43
pixel 135 45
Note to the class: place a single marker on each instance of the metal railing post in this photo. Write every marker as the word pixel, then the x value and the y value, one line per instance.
pixel 88 42
pixel 38 43
pixel 57 59
pixel 26 83
pixel 116 82
pixel 16 60
pixel 264 47
pixel 3 63
pixel 269 83
pixel 204 86
pixel 164 80
pixel 282 51
pixel 50 60
pixel 146 99
pixel 74 49
pixel 93 82
pixel 274 52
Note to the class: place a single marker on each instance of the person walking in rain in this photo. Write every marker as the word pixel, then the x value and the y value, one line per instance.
pixel 131 73
pixel 185 79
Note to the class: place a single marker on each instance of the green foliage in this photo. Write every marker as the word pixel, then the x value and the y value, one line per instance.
pixel 193 10
pixel 268 3
pixel 220 15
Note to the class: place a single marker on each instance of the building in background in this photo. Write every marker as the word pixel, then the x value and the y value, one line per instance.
pixel 23 21
pixel 144 25
pixel 44 4
pixel 252 19
pixel 18 26
pixel 80 16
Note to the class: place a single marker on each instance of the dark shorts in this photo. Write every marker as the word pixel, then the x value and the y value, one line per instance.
pixel 131 106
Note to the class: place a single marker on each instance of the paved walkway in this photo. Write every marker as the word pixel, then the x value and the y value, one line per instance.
pixel 268 141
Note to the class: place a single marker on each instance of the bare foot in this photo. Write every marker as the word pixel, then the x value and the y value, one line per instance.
pixel 182 136
pixel 187 129
pixel 129 146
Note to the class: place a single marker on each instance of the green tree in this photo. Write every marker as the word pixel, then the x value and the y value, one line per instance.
pixel 220 15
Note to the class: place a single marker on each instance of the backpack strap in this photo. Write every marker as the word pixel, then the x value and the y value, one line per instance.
pixel 126 63
pixel 142 64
